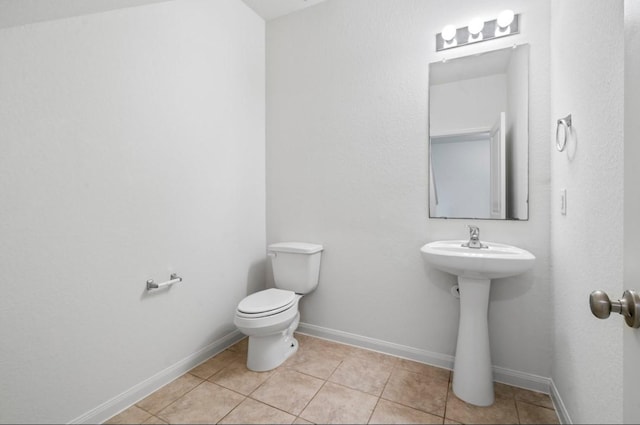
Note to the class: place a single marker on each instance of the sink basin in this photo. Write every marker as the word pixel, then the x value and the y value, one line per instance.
pixel 496 261
pixel 472 370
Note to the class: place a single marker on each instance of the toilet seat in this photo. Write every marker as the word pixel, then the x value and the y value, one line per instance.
pixel 266 303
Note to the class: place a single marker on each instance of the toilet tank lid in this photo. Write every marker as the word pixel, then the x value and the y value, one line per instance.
pixel 296 247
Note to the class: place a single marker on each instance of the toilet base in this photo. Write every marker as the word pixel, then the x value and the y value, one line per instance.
pixel 270 351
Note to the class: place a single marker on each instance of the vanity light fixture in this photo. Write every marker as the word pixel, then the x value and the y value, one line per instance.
pixel 449 36
pixel 449 33
pixel 507 23
pixel 475 29
pixel 505 18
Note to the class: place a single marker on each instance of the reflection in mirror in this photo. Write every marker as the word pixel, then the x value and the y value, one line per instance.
pixel 478 131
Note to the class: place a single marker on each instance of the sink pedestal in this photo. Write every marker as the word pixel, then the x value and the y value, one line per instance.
pixel 472 371
pixel 475 267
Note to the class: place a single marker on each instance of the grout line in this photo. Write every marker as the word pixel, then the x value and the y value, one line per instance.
pixel 235 407
pixel 311 399
pixel 517 410
pixel 384 387
pixel 136 406
pixel 174 401
pixel 275 407
pixel 446 397
pixel 376 406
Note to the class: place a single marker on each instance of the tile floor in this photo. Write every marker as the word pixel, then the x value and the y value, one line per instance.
pixel 327 382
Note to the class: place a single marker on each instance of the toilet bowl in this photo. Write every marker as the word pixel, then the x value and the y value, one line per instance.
pixel 270 332
pixel 270 317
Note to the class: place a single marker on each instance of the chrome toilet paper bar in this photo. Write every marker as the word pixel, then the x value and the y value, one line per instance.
pixel 174 279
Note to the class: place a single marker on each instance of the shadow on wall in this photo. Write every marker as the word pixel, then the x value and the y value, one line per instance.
pixel 441 280
pixel 256 280
pixel 510 288
pixel 501 289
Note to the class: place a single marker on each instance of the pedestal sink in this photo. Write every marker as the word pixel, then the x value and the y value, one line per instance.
pixel 475 267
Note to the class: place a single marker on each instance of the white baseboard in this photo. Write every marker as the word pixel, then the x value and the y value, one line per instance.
pixel 444 361
pixel 121 402
pixel 524 380
pixel 506 376
pixel 561 409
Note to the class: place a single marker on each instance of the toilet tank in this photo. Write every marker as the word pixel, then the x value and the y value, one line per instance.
pixel 296 265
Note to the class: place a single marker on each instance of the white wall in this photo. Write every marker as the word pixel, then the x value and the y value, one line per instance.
pixel 586 245
pixel 631 200
pixel 347 95
pixel 132 146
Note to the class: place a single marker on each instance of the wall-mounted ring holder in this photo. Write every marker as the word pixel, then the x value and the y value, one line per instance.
pixel 564 123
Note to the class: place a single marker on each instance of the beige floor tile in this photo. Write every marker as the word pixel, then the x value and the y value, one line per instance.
pixel 207 403
pixel 532 397
pixel 133 415
pixel 240 346
pixel 288 390
pixel 154 420
pixel 420 391
pixel 502 390
pixel 531 414
pixel 304 339
pixel 362 374
pixel 388 412
pixel 215 364
pixel 503 411
pixel 333 350
pixel 424 369
pixel 238 378
pixel 299 420
pixel 335 404
pixel 169 393
pixel 374 356
pixel 254 412
pixel 312 362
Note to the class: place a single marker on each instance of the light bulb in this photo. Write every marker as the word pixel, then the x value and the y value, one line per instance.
pixel 505 18
pixel 475 26
pixel 448 33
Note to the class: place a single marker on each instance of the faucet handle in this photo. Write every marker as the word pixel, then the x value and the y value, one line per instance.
pixel 474 238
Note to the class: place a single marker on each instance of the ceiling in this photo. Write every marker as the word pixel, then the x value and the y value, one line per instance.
pixel 22 12
pixel 272 9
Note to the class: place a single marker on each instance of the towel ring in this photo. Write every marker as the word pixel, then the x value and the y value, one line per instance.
pixel 566 123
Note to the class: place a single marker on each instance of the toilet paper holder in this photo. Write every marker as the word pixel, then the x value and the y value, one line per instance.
pixel 174 278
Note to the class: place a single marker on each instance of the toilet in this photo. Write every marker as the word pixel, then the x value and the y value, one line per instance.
pixel 270 317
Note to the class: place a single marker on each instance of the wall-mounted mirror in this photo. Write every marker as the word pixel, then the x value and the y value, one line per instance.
pixel 479 136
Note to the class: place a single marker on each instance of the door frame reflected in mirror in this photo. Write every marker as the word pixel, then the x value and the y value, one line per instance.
pixel 468 96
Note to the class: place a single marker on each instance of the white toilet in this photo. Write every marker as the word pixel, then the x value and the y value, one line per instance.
pixel 270 317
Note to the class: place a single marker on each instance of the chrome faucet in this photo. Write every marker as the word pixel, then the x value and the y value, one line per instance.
pixel 474 238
